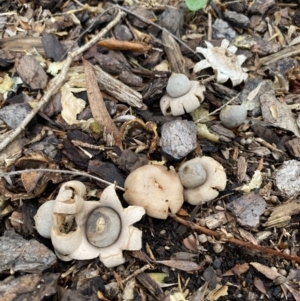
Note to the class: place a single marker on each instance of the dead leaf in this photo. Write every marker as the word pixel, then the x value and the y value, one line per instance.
pixel 98 108
pixel 149 127
pixel 281 214
pixel 237 270
pixel 30 180
pixel 254 183
pixel 278 113
pixel 247 236
pixel 268 272
pixel 218 292
pixel 182 265
pixel 190 243
pixel 71 105
pixel 295 293
pixel 184 256
pixel 260 285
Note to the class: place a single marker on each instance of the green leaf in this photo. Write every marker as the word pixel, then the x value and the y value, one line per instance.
pixel 194 5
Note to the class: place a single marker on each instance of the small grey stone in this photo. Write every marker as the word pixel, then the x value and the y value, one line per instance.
pixel 233 116
pixel 178 138
pixel 178 85
pixel 217 263
pixel 24 255
pixel 222 30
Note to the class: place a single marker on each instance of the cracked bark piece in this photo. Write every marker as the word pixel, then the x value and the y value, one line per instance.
pixel 222 30
pixel 247 209
pixel 106 171
pixel 53 48
pixel 260 6
pixel 32 287
pixel 32 72
pixel 129 160
pixel 18 254
pixel 236 19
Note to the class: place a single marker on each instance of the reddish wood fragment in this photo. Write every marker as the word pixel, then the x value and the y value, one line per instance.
pixel 124 45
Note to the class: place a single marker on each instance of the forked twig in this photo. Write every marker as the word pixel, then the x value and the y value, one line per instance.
pixel 76 173
pixel 56 83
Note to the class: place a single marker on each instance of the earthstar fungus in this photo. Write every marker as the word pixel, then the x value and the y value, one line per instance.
pixel 210 177
pixel 86 229
pixel 224 61
pixel 182 96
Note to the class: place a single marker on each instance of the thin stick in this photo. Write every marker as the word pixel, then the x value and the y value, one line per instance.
pixel 135 273
pixel 56 83
pixel 76 173
pixel 222 237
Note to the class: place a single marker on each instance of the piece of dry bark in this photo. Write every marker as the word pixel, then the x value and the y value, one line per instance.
pixel 22 43
pixel 247 209
pixel 151 285
pixel 18 254
pixel 112 135
pixel 175 58
pixel 260 6
pixel 129 160
pixel 32 72
pixel 293 146
pixel 106 171
pixel 117 89
pixel 277 113
pixel 241 168
pixel 53 47
pixel 33 287
pixel 236 19
pixel 130 79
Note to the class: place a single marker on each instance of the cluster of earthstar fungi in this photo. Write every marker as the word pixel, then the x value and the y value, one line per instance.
pixel 81 229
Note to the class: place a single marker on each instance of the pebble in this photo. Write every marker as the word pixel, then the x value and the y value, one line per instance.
pixel 217 263
pixel 178 138
pixel 178 85
pixel 287 177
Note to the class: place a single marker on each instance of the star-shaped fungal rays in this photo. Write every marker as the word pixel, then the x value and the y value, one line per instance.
pixel 86 229
pixel 224 61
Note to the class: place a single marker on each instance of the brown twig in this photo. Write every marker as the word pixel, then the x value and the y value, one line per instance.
pixel 222 237
pixel 56 83
pixel 114 44
pixel 76 173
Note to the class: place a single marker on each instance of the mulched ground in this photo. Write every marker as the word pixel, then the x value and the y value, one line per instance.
pixel 194 262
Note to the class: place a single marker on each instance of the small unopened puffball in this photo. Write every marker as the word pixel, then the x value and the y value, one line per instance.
pixel 192 174
pixel 233 116
pixel 178 85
